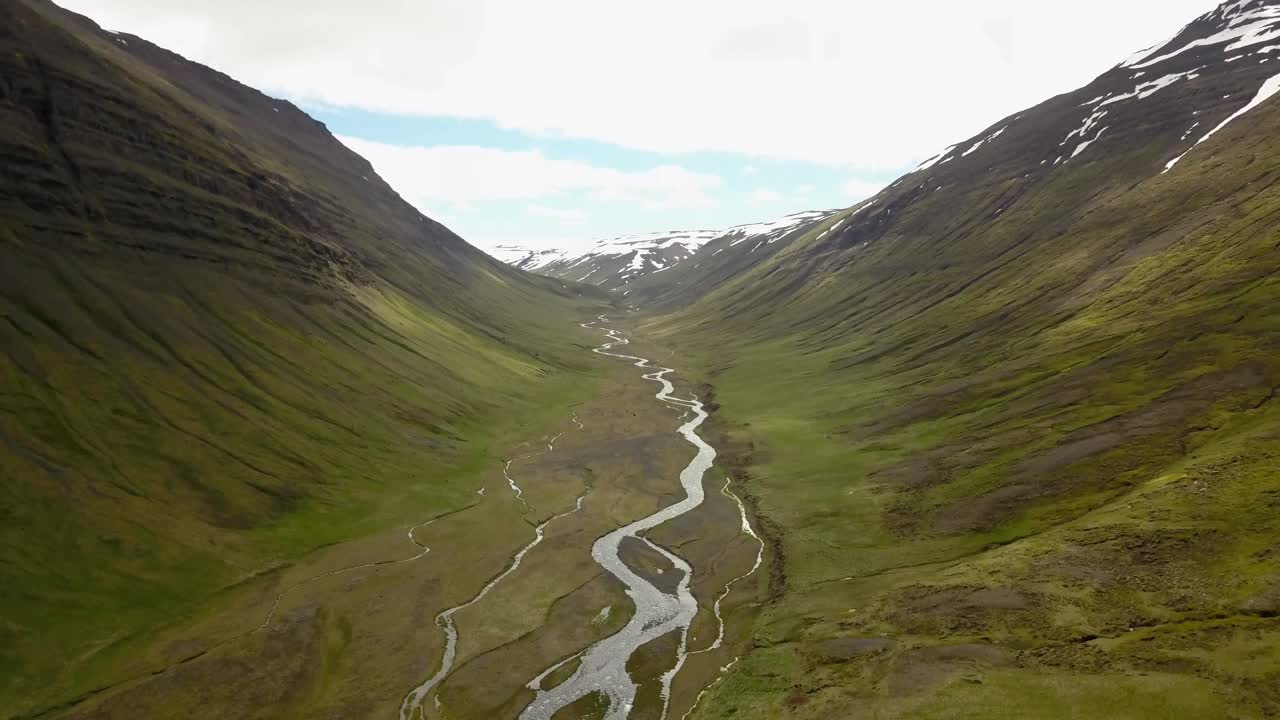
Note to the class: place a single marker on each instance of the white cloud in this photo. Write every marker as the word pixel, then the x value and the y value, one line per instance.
pixel 568 216
pixel 500 244
pixel 877 85
pixel 765 195
pixel 857 189
pixel 458 176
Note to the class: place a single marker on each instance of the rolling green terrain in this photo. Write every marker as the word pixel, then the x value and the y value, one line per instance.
pixel 1012 428
pixel 224 344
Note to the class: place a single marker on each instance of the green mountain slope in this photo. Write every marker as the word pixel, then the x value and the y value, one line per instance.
pixel 1011 427
pixel 226 342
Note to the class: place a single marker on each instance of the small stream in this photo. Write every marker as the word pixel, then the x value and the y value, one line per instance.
pixel 415 699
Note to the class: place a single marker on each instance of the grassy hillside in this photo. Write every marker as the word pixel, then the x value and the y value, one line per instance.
pixel 224 343
pixel 1012 429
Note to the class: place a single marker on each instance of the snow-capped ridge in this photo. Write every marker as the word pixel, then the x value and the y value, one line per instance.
pixel 1241 24
pixel 620 260
pixel 742 233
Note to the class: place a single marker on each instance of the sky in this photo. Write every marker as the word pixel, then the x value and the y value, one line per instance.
pixel 548 123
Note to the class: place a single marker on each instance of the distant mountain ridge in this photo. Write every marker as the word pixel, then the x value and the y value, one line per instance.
pixel 619 263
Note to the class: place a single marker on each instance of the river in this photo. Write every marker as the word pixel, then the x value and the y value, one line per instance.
pixel 603 666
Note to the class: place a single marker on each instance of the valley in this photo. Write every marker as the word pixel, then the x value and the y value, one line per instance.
pixel 995 441
pixel 512 570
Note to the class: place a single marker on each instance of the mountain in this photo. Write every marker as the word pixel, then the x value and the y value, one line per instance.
pixel 633 263
pixel 1010 429
pixel 729 254
pixel 612 262
pixel 524 258
pixel 226 343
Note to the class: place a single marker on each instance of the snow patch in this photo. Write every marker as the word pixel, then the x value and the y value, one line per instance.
pixel 983 141
pixel 1151 87
pixel 776 228
pixel 1269 88
pixel 1089 122
pixel 637 262
pixel 941 157
pixel 1141 92
pixel 1081 147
